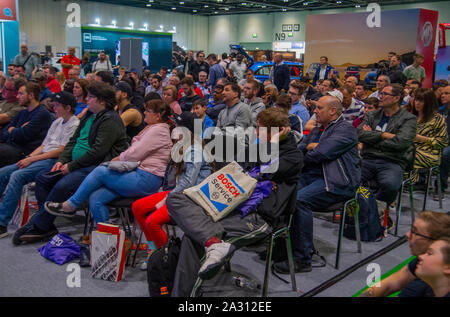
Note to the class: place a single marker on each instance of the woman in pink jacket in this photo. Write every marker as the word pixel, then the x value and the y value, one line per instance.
pixel 151 148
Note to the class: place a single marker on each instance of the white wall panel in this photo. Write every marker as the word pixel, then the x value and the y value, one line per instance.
pixel 43 22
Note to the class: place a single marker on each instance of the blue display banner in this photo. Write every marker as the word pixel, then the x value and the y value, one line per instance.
pixel 156 46
pixel 9 42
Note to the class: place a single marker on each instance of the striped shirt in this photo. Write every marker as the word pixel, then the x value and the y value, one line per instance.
pixel 355 110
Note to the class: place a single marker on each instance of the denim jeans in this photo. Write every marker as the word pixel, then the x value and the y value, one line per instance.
pixel 445 167
pixel 104 185
pixel 10 154
pixel 388 175
pixel 12 179
pixel 56 191
pixel 311 196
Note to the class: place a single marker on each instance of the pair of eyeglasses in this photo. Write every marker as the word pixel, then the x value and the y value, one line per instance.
pixel 413 231
pixel 387 94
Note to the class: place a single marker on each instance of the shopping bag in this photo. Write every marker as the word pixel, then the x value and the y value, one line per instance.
pixel 223 191
pixel 108 252
pixel 22 213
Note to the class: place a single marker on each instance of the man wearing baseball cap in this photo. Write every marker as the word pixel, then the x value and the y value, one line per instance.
pixel 13 177
pixel 132 118
pixel 41 79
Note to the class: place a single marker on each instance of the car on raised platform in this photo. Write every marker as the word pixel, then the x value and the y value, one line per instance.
pixel 353 71
pixel 262 70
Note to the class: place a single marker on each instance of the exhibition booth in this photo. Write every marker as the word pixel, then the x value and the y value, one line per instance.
pixel 9 32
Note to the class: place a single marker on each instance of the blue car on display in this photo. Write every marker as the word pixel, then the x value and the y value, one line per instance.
pixel 262 69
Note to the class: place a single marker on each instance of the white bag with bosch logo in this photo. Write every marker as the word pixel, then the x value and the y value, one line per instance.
pixel 222 191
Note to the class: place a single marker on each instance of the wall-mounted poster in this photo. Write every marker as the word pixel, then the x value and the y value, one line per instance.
pixel 8 10
pixel 351 42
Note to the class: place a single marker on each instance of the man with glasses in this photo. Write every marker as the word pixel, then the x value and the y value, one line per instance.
pixel 199 65
pixel 382 81
pixel 9 107
pixel 295 92
pixel 387 136
pixel 427 228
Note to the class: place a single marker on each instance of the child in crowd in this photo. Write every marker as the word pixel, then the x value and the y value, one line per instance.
pixel 370 104
pixel 199 110
pixel 434 267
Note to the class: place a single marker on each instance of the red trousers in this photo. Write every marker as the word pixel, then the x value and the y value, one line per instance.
pixel 151 224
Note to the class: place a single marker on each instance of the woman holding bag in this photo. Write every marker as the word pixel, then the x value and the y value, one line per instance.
pixel 190 172
pixel 151 148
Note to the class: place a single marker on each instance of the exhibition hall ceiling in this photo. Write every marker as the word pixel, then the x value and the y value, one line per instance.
pixel 220 7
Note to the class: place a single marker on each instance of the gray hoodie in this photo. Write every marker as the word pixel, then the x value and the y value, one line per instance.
pixel 256 106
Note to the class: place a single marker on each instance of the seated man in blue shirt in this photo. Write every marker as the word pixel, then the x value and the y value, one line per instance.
pixel 28 129
pixel 295 92
pixel 331 174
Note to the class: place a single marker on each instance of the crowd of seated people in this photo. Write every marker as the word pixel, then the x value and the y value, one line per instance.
pixel 95 137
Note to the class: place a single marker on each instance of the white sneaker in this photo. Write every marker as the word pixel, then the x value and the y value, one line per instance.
pixel 216 255
pixel 143 266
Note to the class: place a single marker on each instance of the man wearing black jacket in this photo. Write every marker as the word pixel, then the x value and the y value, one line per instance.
pixel 331 175
pixel 28 129
pixel 220 239
pixel 100 137
pixel 199 65
pixel 281 73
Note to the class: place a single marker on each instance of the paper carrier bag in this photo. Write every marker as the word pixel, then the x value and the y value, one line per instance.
pixel 222 191
pixel 108 252
pixel 22 213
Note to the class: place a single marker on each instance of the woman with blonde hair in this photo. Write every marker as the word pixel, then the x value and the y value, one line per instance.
pixel 170 94
pixel 61 78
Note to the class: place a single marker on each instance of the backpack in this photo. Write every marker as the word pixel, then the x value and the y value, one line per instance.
pixel 161 268
pixel 369 220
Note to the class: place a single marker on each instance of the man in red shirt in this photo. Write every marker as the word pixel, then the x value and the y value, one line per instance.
pixel 68 61
pixel 52 83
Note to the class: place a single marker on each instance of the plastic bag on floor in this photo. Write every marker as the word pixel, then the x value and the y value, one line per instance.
pixel 60 249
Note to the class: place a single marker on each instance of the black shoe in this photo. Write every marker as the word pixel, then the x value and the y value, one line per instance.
pixel 34 234
pixel 3 232
pixel 299 267
pixel 85 255
pixel 56 209
pixel 19 232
